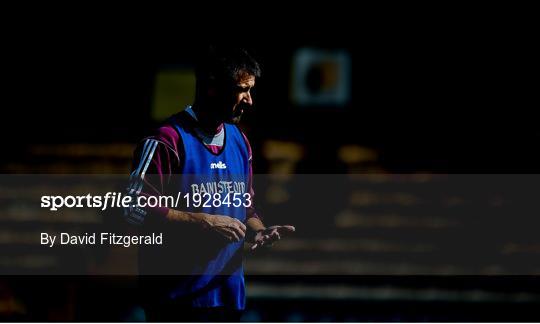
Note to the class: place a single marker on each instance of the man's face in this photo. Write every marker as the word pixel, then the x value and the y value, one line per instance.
pixel 238 98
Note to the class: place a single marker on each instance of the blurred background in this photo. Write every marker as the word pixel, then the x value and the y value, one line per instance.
pixel 339 95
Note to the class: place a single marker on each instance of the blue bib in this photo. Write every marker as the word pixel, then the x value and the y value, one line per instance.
pixel 220 180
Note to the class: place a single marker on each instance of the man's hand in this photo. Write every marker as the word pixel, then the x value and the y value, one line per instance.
pixel 270 235
pixel 230 228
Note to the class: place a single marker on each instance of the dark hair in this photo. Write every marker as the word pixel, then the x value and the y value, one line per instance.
pixel 223 65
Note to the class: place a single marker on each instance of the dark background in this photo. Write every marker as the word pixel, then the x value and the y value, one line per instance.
pixel 447 92
pixel 433 90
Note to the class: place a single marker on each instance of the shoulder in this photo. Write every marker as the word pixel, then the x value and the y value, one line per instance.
pixel 167 134
pixel 164 141
pixel 164 138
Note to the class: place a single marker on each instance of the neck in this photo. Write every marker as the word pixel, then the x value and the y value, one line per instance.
pixel 206 122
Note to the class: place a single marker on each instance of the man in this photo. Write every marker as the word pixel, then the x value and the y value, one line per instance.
pixel 202 152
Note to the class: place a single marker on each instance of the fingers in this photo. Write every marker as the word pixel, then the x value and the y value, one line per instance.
pixel 233 236
pixel 277 231
pixel 272 237
pixel 286 228
pixel 263 241
pixel 282 228
pixel 274 234
pixel 235 230
pixel 242 226
pixel 239 228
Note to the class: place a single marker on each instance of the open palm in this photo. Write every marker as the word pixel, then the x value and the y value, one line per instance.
pixel 271 235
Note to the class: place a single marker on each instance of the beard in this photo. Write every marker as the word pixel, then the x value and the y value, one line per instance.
pixel 237 113
pixel 227 110
pixel 235 120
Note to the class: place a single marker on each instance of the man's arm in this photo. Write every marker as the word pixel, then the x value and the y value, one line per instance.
pixel 149 159
pixel 159 157
pixel 262 235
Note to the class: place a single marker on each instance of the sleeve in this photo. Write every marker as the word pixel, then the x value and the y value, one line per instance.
pixel 155 161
